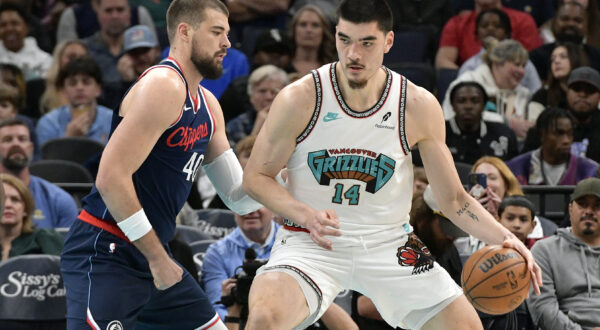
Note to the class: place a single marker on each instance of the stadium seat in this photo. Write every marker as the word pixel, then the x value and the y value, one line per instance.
pixel 189 234
pixel 199 250
pixel 443 78
pixel 75 149
pixel 218 223
pixel 59 171
pixel 420 74
pixel 415 47
pixel 29 304
pixel 35 88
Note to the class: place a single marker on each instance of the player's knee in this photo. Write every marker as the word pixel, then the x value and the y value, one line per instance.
pixel 261 317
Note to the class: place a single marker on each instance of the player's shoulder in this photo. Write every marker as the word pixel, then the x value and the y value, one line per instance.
pixel 419 101
pixel 164 78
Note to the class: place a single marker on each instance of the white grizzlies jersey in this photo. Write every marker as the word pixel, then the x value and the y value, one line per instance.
pixel 357 163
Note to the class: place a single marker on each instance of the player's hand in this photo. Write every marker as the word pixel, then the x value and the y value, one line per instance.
pixel 512 241
pixel 325 222
pixel 166 273
pixel 227 285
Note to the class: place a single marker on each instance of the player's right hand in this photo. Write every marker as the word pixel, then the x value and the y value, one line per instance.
pixel 166 273
pixel 325 222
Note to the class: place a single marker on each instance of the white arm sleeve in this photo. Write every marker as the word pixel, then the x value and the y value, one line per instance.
pixel 225 173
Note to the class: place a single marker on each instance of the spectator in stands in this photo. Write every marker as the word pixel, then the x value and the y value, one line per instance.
pixel 419 180
pixel 81 81
pixel 18 234
pixel 18 49
pixel 548 30
pixel 11 75
pixel 84 19
pixel 271 47
pixel 263 85
pixel 64 52
pixel 9 105
pixel 422 14
pixel 106 45
pixel 565 58
pixel 500 75
pixel 553 163
pixel 255 230
pixel 570 26
pixel 458 42
pixel 54 206
pixel 517 214
pixel 140 51
pixel 314 44
pixel 468 135
pixel 252 14
pixel 495 23
pixel 570 297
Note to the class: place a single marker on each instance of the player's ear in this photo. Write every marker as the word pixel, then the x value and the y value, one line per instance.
pixel 184 30
pixel 389 41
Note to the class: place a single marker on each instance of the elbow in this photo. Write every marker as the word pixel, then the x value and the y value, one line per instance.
pixel 105 180
pixel 247 183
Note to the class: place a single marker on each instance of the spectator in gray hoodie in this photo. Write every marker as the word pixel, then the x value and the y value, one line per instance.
pixel 570 263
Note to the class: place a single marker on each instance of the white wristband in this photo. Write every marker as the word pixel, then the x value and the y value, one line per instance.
pixel 136 226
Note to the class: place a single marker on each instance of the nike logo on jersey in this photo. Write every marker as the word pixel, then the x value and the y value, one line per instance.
pixel 331 116
pixel 186 108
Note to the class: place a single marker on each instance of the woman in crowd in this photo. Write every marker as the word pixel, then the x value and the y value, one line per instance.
pixel 314 44
pixel 495 23
pixel 64 52
pixel 565 58
pixel 500 75
pixel 17 234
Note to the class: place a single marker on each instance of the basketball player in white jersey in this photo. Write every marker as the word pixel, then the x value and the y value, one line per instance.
pixel 344 133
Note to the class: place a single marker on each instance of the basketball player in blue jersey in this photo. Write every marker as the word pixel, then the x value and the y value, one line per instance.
pixel 116 266
pixel 344 134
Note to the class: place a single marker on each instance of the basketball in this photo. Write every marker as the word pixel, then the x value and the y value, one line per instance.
pixel 495 279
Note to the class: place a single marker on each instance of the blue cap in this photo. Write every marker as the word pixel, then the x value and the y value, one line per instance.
pixel 139 36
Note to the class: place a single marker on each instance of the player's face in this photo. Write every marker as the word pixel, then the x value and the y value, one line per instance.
pixel 210 43
pixel 494 180
pixel 14 207
pixel 360 50
pixel 518 220
pixel 560 63
pixel 257 223
pixel 16 148
pixel 81 90
pixel 585 213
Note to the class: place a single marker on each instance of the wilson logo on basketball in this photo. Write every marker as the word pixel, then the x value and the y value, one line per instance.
pixel 414 253
pixel 496 259
pixel 187 136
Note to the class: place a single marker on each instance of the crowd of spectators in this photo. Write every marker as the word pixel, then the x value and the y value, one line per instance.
pixel 522 108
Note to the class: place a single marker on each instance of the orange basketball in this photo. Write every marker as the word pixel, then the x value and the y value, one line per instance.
pixel 495 279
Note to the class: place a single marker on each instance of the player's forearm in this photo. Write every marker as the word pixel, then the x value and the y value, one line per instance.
pixel 473 218
pixel 267 191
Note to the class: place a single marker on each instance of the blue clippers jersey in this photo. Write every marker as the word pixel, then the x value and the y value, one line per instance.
pixel 164 180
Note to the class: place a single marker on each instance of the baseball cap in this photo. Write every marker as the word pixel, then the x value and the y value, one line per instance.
pixel 273 40
pixel 585 74
pixel 138 36
pixel 589 186
pixel 447 226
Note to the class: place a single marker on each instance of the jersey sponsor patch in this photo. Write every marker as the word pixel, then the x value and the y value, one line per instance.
pixel 114 325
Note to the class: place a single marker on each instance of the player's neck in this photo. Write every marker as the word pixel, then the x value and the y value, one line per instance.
pixel 191 74
pixel 367 96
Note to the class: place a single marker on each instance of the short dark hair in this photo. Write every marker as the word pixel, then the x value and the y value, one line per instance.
pixel 548 118
pixel 15 122
pixel 83 65
pixel 366 11
pixel 504 19
pixel 191 12
pixel 468 83
pixel 516 200
pixel 12 6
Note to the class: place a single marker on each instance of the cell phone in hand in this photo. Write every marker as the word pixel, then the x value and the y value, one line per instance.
pixel 477 179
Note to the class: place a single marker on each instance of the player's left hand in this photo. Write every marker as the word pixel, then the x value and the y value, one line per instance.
pixel 536 273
